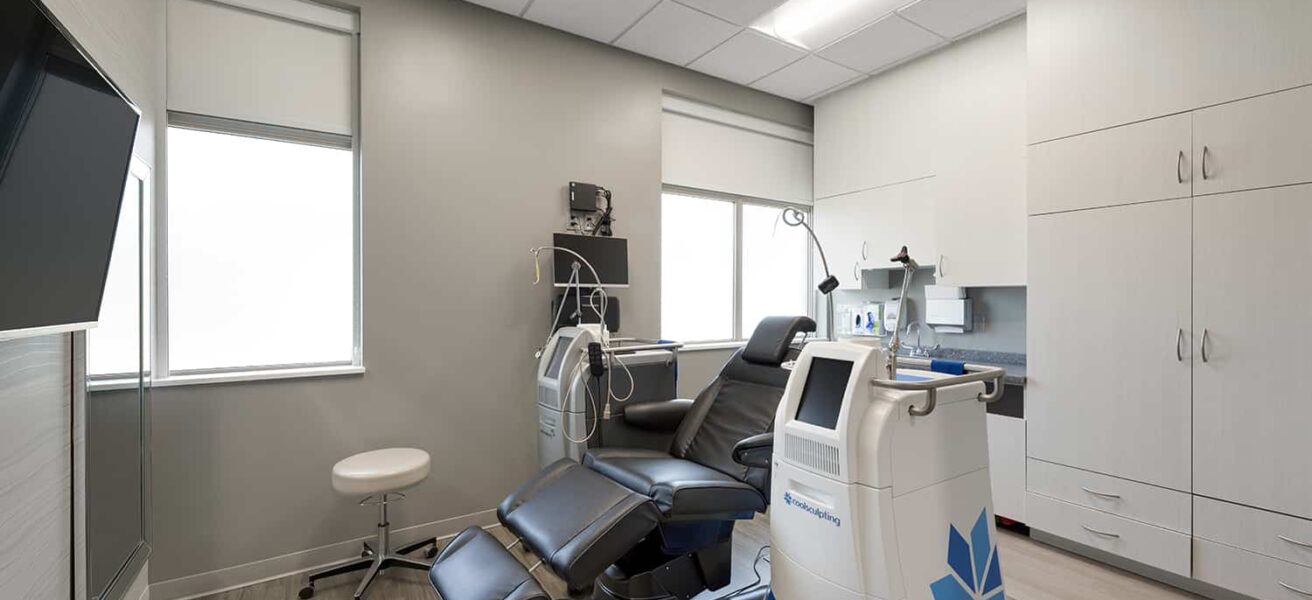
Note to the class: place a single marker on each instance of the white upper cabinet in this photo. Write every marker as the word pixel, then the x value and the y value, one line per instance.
pixel 1101 64
pixel 1124 165
pixel 1108 62
pixel 1109 316
pixel 1252 279
pixel 839 223
pixel 1255 143
pixel 980 162
pixel 1250 47
pixel 876 133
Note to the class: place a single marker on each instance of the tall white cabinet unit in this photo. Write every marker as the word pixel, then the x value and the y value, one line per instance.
pixel 1170 266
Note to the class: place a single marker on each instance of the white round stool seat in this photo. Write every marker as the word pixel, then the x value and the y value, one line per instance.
pixel 380 471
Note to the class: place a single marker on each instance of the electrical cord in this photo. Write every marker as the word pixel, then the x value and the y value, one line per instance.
pixel 762 555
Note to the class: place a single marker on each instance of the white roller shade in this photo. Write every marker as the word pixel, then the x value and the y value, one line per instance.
pixel 238 63
pixel 711 149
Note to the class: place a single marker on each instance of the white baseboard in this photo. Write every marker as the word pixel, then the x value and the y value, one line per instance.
pixel 140 588
pixel 222 580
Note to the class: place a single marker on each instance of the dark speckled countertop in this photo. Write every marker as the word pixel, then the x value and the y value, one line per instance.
pixel 1013 362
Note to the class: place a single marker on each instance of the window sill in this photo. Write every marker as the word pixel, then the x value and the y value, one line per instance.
pixel 707 346
pixel 233 377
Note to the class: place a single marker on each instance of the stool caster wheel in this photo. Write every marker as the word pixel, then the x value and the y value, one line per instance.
pixel 307 592
pixel 431 553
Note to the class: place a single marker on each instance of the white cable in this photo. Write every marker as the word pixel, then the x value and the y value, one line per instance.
pixel 592 401
pixel 610 380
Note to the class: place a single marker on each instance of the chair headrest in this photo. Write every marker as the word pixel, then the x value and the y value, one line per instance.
pixel 772 338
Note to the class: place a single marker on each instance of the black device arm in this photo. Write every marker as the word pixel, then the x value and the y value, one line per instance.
pixel 755 451
pixel 664 416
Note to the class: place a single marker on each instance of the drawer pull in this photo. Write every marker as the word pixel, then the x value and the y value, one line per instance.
pixel 1101 494
pixel 1106 534
pixel 1294 589
pixel 1295 542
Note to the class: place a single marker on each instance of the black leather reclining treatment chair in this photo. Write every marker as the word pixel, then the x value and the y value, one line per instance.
pixel 630 523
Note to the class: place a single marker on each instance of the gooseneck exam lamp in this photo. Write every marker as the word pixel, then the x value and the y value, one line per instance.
pixel 796 218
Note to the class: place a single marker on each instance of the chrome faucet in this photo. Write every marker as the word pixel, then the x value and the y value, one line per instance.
pixel 919 350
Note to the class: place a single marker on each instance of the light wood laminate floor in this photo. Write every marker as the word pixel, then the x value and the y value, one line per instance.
pixel 1031 571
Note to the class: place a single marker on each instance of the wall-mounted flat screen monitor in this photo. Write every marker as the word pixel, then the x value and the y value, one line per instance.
pixel 608 255
pixel 65 144
pixel 822 396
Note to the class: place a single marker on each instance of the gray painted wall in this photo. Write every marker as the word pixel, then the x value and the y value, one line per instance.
pixel 473 123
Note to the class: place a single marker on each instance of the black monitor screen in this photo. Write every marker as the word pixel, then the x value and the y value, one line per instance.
pixel 558 356
pixel 822 398
pixel 65 142
pixel 608 255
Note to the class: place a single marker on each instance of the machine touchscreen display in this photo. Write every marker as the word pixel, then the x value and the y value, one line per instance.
pixel 558 356
pixel 822 397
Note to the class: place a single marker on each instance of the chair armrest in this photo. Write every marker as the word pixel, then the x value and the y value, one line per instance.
pixel 663 416
pixel 755 451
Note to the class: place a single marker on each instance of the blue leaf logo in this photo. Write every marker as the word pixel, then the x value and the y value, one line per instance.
pixel 975 574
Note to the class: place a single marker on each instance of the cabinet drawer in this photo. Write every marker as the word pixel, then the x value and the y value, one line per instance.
pixel 1254 143
pixel 1153 546
pixel 1125 165
pixel 1164 508
pixel 1250 574
pixel 1270 534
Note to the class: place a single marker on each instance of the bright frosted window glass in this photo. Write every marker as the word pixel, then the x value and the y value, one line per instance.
pixel 260 252
pixel 114 346
pixel 773 267
pixel 696 268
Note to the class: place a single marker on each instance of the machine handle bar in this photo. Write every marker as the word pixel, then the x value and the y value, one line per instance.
pixel 974 373
pixel 644 347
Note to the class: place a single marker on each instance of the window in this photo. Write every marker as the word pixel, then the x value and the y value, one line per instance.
pixel 249 266
pixel 260 253
pixel 115 348
pixel 727 263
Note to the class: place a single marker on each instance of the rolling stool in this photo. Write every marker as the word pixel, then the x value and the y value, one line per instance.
pixel 380 475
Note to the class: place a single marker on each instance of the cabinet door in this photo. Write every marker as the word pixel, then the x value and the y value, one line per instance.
pixel 895 216
pixel 1252 280
pixel 1124 165
pixel 876 133
pixel 1260 142
pixel 1099 64
pixel 1251 47
pixel 1108 385
pixel 838 225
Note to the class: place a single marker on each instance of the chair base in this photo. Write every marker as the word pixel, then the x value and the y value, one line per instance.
pixel 375 561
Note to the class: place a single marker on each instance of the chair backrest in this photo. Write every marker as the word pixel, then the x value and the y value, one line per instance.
pixel 741 402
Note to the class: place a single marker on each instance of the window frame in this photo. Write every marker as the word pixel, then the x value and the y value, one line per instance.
pixel 740 337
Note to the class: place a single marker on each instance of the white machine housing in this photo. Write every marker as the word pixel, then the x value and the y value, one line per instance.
pixel 868 509
pixel 560 382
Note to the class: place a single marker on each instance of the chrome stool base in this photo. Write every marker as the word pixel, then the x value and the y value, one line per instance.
pixel 376 560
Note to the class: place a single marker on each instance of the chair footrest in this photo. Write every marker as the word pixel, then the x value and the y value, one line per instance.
pixel 578 520
pixel 474 566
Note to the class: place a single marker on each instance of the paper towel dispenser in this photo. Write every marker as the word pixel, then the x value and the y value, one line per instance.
pixel 948 310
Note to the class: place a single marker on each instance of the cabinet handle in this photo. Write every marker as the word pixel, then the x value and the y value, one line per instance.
pixel 1203 346
pixel 856 273
pixel 1101 494
pixel 1206 152
pixel 1179 164
pixel 938 269
pixel 865 250
pixel 1295 542
pixel 1179 337
pixel 1294 589
pixel 1106 534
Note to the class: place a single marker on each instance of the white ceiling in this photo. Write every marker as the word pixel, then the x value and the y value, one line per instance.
pixel 715 37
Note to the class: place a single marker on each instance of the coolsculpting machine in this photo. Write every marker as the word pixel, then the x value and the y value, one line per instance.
pixel 649 372
pixel 881 487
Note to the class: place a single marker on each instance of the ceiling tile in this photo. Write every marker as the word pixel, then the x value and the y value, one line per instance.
pixel 749 56
pixel 955 18
pixel 814 24
pixel 675 33
pixel 881 44
pixel 805 78
pixel 513 7
pixel 742 12
pixel 601 20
